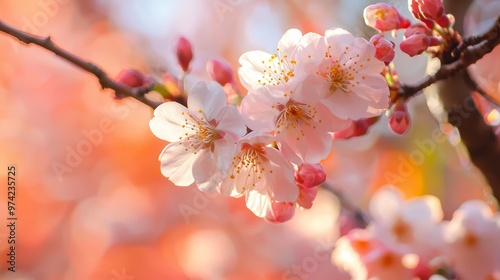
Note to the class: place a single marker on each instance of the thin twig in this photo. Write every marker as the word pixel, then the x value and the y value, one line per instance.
pixel 362 219
pixel 105 81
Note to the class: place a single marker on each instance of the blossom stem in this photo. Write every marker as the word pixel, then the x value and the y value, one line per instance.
pixel 105 80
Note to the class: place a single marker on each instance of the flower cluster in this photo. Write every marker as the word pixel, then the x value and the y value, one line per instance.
pixel 409 239
pixel 314 85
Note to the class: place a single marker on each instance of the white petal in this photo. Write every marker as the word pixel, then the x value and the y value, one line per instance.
pixel 385 205
pixel 206 98
pixel 289 42
pixel 229 120
pixel 205 171
pixel 258 112
pixel 257 203
pixel 168 120
pixel 281 186
pixel 252 69
pixel 177 164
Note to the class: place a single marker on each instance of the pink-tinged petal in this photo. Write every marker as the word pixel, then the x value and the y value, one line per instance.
pixel 257 203
pixel 374 88
pixel 259 110
pixel 224 151
pixel 337 40
pixel 168 121
pixel 230 121
pixel 423 211
pixel 346 105
pixel 205 172
pixel 280 212
pixel 281 183
pixel 177 164
pixel 306 197
pixel 385 205
pixel 289 42
pixel 206 98
pixel 252 69
pixel 312 89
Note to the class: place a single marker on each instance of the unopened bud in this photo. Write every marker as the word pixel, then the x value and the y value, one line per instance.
pixel 306 197
pixel 415 44
pixel 384 17
pixel 220 71
pixel 310 175
pixel 184 53
pixel 399 120
pixel 385 49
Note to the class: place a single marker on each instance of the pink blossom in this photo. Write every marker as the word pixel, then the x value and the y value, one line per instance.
pixel 310 175
pixel 427 9
pixel 417 28
pixel 131 78
pixel 356 128
pixel 302 126
pixel 385 49
pixel 364 257
pixel 384 17
pixel 220 71
pixel 202 136
pixel 473 241
pixel 261 173
pixel 407 227
pixel 345 75
pixel 280 212
pixel 184 53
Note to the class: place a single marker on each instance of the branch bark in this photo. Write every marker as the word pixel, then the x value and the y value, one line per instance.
pixel 479 138
pixel 105 81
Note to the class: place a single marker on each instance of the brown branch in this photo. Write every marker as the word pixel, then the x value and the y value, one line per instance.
pixel 468 56
pixel 105 81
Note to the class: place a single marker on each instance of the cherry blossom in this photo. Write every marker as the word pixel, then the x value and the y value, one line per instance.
pixel 345 75
pixel 202 136
pixel 408 227
pixel 303 127
pixel 473 241
pixel 261 173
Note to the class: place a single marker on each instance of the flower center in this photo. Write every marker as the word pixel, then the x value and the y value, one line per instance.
pixel 279 69
pixel 338 77
pixel 249 163
pixel 294 114
pixel 204 133
pixel 402 231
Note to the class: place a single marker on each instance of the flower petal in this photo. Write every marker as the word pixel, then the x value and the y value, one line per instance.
pixel 206 98
pixel 281 185
pixel 169 121
pixel 177 164
pixel 230 121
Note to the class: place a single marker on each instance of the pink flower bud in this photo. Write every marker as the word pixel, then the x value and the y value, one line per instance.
pixel 399 120
pixel 414 7
pixel 131 78
pixel 357 128
pixel 220 71
pixel 385 49
pixel 184 53
pixel 417 28
pixel 431 9
pixel 384 17
pixel 310 175
pixel 306 196
pixel 415 44
pixel 280 212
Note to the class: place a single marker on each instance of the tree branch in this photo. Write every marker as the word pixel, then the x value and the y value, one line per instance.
pixel 105 81
pixel 468 54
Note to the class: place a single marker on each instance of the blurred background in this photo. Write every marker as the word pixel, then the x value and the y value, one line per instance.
pixel 91 202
